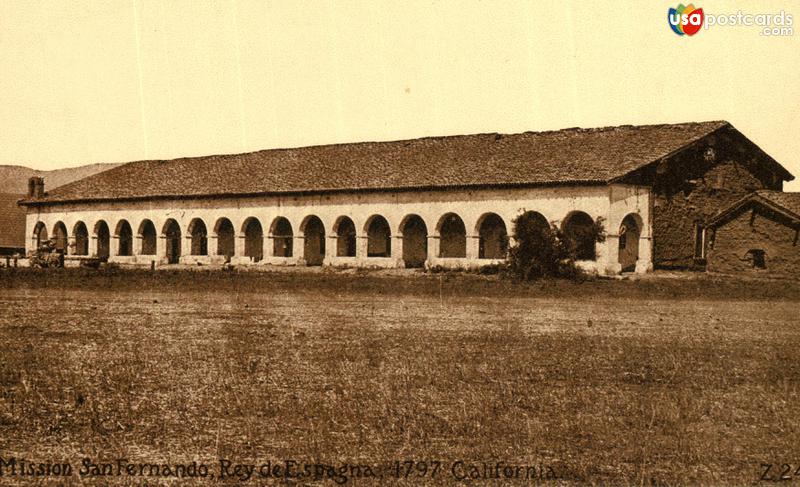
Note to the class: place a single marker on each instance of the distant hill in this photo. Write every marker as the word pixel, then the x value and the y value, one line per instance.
pixel 14 186
pixel 14 179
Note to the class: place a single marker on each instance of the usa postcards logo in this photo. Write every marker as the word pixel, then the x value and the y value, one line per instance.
pixel 685 20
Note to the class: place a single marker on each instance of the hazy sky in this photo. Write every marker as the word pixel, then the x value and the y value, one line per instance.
pixel 110 81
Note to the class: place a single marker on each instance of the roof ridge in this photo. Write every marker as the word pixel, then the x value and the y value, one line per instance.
pixel 606 128
pixel 600 154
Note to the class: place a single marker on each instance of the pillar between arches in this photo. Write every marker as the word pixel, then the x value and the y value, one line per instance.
pixel 645 262
pixel 473 247
pixel 238 245
pixel 72 245
pixel 212 245
pixel 113 246
pixel 607 254
pixel 161 247
pixel 269 246
pixel 93 245
pixel 433 248
pixel 362 246
pixel 397 251
pixel 238 257
pixel 299 249
pixel 331 248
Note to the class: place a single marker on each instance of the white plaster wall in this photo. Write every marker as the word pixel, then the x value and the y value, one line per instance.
pixel 625 200
pixel 555 203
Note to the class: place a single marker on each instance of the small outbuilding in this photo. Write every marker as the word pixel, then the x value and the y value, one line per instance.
pixel 759 233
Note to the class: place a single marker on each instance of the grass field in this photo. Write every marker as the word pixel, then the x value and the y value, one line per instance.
pixel 656 382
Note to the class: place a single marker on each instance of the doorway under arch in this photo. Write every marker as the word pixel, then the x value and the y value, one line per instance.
pixel 314 241
pixel 578 227
pixel 81 234
pixel 493 237
pixel 147 232
pixel 103 236
pixel 199 235
pixel 253 239
pixel 226 240
pixel 40 234
pixel 379 237
pixel 60 237
pixel 172 233
pixel 282 237
pixel 125 238
pixel 415 241
pixel 452 236
pixel 629 232
pixel 345 231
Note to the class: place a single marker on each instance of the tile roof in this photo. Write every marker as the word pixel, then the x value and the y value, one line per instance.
pixel 787 201
pixel 532 158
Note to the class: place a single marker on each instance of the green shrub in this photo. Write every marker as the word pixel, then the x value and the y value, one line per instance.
pixel 543 250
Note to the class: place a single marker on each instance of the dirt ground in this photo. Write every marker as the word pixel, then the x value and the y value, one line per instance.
pixel 665 381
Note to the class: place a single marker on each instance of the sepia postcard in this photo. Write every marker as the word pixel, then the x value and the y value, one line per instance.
pixel 257 243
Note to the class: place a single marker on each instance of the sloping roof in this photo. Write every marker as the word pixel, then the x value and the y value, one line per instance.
pixel 531 158
pixel 787 201
pixel 787 204
pixel 12 221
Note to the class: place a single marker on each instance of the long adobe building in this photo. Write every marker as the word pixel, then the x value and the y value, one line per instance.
pixel 436 201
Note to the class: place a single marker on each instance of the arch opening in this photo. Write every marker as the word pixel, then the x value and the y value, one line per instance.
pixel 199 237
pixel 147 232
pixel 379 237
pixel 40 234
pixel 345 237
pixel 630 230
pixel 60 237
pixel 493 237
pixel 124 234
pixel 253 239
pixel 103 236
pixel 226 240
pixel 81 234
pixel 578 228
pixel 313 241
pixel 452 237
pixel 530 229
pixel 282 237
pixel 415 241
pixel 172 233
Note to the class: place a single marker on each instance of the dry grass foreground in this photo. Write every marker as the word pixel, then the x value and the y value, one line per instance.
pixel 657 382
